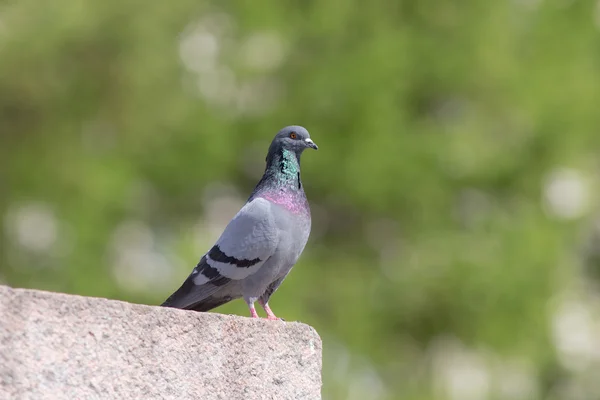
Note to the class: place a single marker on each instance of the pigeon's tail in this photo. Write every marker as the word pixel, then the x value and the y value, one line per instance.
pixel 200 297
pixel 211 302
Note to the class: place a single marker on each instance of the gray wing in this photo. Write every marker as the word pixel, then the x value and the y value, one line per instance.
pixel 247 242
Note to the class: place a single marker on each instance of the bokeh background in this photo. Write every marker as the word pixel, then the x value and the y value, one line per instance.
pixel 455 251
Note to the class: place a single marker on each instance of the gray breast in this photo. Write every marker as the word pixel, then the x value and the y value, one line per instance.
pixel 294 231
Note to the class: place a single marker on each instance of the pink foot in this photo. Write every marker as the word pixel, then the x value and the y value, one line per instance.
pixel 270 314
pixel 253 313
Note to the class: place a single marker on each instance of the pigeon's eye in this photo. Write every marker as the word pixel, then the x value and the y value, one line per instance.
pixel 293 135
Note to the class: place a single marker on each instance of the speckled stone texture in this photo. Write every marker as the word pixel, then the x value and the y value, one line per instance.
pixel 58 346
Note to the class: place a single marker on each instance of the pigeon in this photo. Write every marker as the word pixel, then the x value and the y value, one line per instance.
pixel 262 242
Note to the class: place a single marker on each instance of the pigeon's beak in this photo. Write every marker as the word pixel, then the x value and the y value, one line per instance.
pixel 311 144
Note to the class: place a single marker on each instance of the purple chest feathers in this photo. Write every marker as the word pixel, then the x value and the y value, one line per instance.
pixel 291 200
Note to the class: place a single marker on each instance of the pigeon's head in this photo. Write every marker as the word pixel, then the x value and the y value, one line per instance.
pixel 293 138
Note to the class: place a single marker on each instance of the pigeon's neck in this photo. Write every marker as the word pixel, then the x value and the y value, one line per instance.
pixel 282 174
pixel 281 182
pixel 283 169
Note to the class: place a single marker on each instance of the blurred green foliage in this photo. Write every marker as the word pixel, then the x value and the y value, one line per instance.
pixel 455 240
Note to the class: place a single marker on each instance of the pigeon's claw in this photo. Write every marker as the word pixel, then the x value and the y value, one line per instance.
pixel 270 314
pixel 253 313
